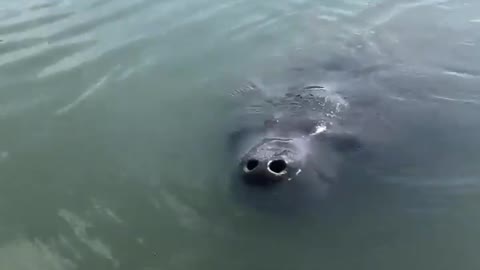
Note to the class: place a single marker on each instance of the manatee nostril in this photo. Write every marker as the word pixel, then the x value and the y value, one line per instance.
pixel 251 164
pixel 277 166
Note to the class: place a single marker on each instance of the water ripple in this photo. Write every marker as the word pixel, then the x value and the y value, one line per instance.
pixel 59 36
pixel 86 24
pixel 37 57
pixel 458 100
pixel 80 58
pixel 33 22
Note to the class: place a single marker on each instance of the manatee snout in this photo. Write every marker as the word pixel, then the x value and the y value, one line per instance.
pixel 271 162
pixel 264 172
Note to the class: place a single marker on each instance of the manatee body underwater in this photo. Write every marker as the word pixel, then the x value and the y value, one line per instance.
pixel 291 141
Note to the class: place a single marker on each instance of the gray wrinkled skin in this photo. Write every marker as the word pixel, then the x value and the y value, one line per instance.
pixel 302 128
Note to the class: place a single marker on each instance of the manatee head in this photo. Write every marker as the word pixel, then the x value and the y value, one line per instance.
pixel 283 150
pixel 286 154
pixel 274 160
pixel 286 167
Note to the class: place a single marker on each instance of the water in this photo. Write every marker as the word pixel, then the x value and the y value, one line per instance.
pixel 113 116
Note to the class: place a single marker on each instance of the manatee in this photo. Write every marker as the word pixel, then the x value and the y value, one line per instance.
pixel 291 142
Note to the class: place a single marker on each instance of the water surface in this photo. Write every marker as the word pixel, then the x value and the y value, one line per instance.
pixel 113 116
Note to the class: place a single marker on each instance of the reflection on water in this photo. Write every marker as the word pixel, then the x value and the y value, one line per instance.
pixel 113 118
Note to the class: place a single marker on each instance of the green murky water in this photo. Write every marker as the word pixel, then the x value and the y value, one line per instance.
pixel 112 124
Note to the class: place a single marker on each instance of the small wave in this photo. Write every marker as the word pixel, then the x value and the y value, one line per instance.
pixel 80 58
pixel 25 254
pixel 80 228
pixel 45 5
pixel 87 23
pixel 469 101
pixel 99 3
pixel 461 74
pixel 30 23
pixel 385 11
pixel 53 34
pixel 24 65
pixel 87 93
